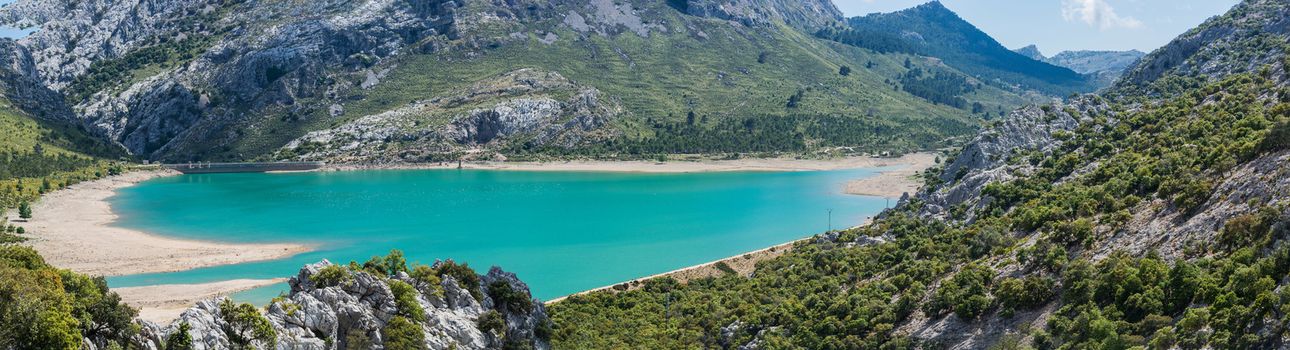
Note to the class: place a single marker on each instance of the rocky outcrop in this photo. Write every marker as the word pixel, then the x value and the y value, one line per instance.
pixel 357 308
pixel 21 87
pixel 1235 42
pixel 74 34
pixel 226 60
pixel 986 159
pixel 518 109
pixel 807 14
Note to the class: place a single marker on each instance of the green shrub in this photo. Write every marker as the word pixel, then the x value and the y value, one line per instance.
pixel 180 339
pixel 1249 230
pixel 508 298
pixel 246 325
pixel 331 276
pixel 965 293
pixel 405 299
pixel 427 279
pixel 1023 293
pixel 491 322
pixel 389 265
pixel 402 334
pixel 463 274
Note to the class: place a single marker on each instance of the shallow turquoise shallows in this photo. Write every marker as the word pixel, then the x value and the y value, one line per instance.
pixel 562 232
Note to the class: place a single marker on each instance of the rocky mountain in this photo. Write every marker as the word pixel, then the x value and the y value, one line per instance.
pixel 1031 51
pixel 933 30
pixel 1103 66
pixel 1154 216
pixel 339 307
pixel 1097 62
pixel 253 79
pixel 1243 40
pixel 1093 62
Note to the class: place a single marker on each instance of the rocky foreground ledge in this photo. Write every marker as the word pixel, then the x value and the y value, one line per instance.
pixel 351 307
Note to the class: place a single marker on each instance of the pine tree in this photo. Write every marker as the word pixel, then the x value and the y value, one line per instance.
pixel 24 210
pixel 180 339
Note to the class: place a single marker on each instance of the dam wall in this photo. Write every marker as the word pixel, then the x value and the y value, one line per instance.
pixel 213 168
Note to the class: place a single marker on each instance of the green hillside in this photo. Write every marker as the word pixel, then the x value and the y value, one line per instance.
pixel 734 74
pixel 39 156
pixel 1151 223
pixel 933 30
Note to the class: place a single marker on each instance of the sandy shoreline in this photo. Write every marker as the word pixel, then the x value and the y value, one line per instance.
pixel 72 229
pixel 895 182
pixel 163 303
pixel 742 264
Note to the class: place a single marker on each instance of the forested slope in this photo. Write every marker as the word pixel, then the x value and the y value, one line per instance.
pixel 1139 221
pixel 935 31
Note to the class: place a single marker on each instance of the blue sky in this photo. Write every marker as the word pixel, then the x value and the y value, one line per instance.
pixel 1057 25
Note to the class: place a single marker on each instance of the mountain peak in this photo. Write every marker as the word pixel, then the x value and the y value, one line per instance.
pixel 932 5
pixel 943 34
pixel 1031 51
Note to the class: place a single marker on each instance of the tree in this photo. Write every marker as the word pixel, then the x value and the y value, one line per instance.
pixel 24 210
pixel 245 325
pixel 908 64
pixel 844 71
pixel 180 339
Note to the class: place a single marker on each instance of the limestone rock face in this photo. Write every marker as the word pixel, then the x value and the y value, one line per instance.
pixel 985 160
pixel 516 109
pixel 807 14
pixel 1231 43
pixel 226 58
pixel 315 317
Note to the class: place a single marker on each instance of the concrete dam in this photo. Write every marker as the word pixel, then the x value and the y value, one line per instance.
pixel 213 168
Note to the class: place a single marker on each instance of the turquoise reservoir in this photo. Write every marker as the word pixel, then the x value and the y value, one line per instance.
pixel 561 232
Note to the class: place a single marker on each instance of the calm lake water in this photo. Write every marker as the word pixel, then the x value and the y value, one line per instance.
pixel 561 232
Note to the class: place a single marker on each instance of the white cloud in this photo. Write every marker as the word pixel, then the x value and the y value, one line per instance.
pixel 1096 13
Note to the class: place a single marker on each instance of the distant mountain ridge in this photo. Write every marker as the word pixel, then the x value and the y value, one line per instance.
pixel 933 30
pixel 1105 66
pixel 1094 62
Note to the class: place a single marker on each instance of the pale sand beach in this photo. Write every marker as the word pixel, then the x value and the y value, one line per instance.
pixel 72 229
pixel 164 303
pixel 896 182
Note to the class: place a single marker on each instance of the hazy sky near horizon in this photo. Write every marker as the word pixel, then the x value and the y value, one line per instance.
pixel 1059 25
